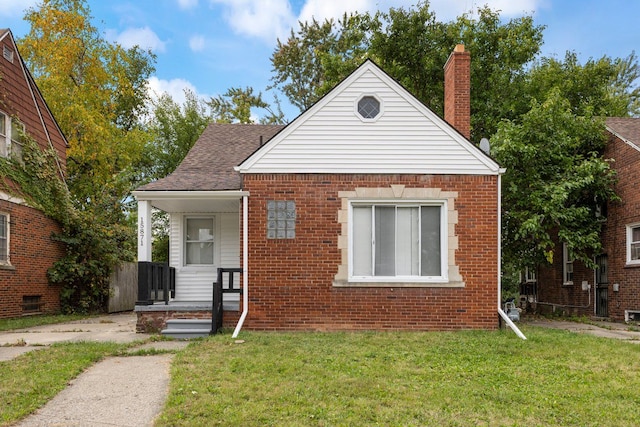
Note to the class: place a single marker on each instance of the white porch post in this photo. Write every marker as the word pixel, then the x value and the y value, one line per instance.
pixel 144 230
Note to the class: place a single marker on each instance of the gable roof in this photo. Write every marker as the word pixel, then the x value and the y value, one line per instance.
pixel 22 99
pixel 406 137
pixel 625 128
pixel 209 164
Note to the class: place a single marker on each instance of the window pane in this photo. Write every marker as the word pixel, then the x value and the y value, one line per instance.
pixel 385 227
pixel 430 241
pixel 635 234
pixel 2 124
pixel 362 241
pixel 200 253
pixel 200 229
pixel 16 131
pixel 199 241
pixel 407 244
pixel 3 237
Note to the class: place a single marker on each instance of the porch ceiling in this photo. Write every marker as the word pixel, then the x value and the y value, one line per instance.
pixel 193 201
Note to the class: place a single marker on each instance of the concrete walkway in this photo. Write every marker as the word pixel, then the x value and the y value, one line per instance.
pixel 118 391
pixel 621 331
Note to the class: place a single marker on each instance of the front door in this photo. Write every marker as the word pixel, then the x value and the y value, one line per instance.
pixel 602 286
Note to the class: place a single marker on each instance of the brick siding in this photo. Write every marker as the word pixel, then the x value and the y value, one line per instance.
pixel 32 253
pixel 291 280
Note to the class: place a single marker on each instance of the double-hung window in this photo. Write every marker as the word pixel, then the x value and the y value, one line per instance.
pixel 199 240
pixel 633 244
pixel 17 138
pixel 11 136
pixel 4 238
pixel 398 242
pixel 567 265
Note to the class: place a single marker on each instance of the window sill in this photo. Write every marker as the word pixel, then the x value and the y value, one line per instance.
pixel 567 284
pixel 632 265
pixel 347 284
pixel 7 267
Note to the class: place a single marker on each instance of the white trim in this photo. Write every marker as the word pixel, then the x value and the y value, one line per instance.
pixel 7 216
pixel 629 229
pixel 356 107
pixel 193 195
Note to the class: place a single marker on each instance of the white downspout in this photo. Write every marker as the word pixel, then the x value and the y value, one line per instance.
pixel 501 312
pixel 245 265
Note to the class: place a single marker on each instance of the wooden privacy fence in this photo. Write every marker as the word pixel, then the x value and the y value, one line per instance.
pixel 123 288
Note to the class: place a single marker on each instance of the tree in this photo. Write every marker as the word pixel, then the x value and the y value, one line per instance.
pixel 96 90
pixel 412 46
pixel 554 181
pixel 235 105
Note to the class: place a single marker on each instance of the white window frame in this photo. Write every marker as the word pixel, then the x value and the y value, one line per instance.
pixel 16 139
pixel 567 266
pixel 185 241
pixel 7 139
pixel 444 252
pixel 7 239
pixel 356 107
pixel 630 242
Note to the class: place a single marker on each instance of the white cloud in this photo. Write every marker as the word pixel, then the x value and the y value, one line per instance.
pixel 187 4
pixel 143 37
pixel 197 43
pixel 15 8
pixel 174 87
pixel 265 19
pixel 447 10
pixel 327 9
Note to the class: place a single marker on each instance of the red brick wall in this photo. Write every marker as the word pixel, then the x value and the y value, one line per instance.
pixel 457 91
pixel 32 252
pixel 619 215
pixel 291 281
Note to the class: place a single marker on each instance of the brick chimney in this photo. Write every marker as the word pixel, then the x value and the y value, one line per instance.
pixel 457 90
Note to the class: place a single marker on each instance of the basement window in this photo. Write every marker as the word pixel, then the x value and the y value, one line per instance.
pixel 32 304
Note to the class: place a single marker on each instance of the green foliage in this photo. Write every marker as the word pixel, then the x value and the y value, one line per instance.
pixel 413 46
pixel 554 180
pixel 236 104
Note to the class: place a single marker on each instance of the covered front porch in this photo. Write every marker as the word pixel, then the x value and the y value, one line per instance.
pixel 205 235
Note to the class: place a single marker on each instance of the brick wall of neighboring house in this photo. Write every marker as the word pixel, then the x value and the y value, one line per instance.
pixel 32 252
pixel 291 280
pixel 619 215
pixel 573 300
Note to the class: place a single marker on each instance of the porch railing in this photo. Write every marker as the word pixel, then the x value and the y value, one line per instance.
pixel 217 309
pixel 156 282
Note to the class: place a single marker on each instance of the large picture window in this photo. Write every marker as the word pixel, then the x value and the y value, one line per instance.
pixel 199 241
pixel 633 244
pixel 398 242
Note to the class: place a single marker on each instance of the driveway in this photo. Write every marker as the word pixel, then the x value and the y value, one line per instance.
pixel 621 331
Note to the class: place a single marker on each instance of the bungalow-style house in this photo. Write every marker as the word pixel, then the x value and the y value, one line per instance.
pixel 612 290
pixel 368 211
pixel 26 248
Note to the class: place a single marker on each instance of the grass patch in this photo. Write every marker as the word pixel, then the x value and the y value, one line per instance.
pixel 32 379
pixel 480 378
pixel 31 321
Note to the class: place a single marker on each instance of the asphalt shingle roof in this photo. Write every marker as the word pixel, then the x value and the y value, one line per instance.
pixel 209 164
pixel 626 127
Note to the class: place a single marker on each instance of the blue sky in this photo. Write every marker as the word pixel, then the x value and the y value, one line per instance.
pixel 211 45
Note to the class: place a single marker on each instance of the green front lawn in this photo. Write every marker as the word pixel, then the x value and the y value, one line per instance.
pixel 400 379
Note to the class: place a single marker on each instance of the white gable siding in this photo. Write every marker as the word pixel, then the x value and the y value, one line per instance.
pixel 406 138
pixel 195 283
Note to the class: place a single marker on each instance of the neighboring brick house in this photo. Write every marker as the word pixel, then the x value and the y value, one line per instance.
pixel 368 211
pixel 612 290
pixel 26 248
